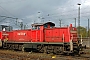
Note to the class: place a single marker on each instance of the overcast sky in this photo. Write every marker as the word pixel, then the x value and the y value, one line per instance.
pixel 51 10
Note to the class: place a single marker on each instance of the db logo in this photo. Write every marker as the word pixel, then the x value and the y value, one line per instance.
pixel 21 33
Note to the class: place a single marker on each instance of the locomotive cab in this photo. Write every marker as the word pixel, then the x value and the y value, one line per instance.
pixel 49 25
pixel 37 26
pixel 38 31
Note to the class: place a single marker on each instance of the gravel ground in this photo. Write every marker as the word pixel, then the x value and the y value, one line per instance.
pixel 18 55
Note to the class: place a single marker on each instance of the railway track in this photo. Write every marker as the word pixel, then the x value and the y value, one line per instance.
pixel 18 55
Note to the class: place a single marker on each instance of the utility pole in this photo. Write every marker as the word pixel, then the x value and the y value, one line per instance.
pixel 79 18
pixel 60 22
pixel 16 20
pixel 48 16
pixel 21 25
pixel 88 27
pixel 75 22
pixel 34 21
pixel 86 32
pixel 43 20
pixel 24 27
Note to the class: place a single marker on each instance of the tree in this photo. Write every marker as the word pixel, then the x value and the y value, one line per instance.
pixel 89 33
pixel 83 31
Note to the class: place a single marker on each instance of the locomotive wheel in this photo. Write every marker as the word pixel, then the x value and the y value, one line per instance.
pixel 45 49
pixel 40 48
pixel 8 46
pixel 55 50
pixel 48 52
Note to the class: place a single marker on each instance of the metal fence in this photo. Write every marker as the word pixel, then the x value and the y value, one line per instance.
pixel 86 41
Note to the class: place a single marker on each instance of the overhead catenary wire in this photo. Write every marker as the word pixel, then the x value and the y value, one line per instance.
pixel 6 11
pixel 5 17
pixel 68 15
pixel 67 11
pixel 71 6
pixel 52 15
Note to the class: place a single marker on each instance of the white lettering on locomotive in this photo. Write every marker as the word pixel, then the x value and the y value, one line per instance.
pixel 21 33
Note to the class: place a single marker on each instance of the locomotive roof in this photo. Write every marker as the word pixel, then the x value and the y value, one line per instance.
pixel 4 25
pixel 51 23
pixel 40 24
pixel 37 24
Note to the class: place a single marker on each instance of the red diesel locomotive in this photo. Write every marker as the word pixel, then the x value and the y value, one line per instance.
pixel 42 38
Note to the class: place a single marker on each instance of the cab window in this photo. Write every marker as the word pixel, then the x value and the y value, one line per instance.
pixel 35 27
pixel 45 26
